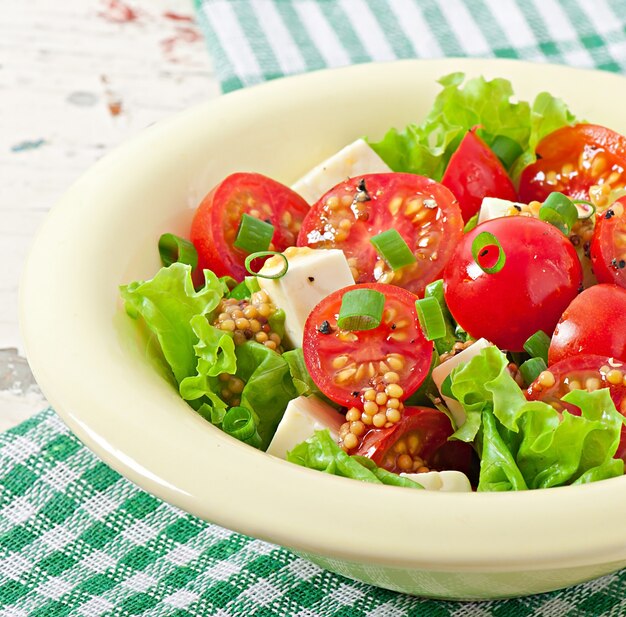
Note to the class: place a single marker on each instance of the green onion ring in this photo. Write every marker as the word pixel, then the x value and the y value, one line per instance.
pixel 485 239
pixel 261 254
pixel 361 309
pixel 173 249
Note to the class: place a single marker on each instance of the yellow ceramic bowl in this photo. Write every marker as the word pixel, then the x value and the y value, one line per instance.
pixel 93 367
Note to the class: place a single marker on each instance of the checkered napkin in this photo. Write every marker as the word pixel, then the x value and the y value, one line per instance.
pixel 77 539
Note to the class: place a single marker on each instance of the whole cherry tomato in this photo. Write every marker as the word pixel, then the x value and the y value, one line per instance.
pixel 592 324
pixel 540 277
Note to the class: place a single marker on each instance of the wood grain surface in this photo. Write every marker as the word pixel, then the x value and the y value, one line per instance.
pixel 77 78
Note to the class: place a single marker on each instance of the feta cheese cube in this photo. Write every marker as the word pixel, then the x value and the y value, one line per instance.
pixel 356 159
pixel 303 416
pixel 493 208
pixel 312 275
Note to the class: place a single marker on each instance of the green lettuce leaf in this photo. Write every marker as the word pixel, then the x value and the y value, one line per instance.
pixel 322 453
pixel 215 352
pixel 528 444
pixel 547 115
pixel 268 388
pixel 426 148
pixel 167 303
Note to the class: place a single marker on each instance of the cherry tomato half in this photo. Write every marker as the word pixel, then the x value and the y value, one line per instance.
pixel 589 372
pixel 572 159
pixel 608 245
pixel 425 214
pixel 592 324
pixel 418 441
pixel 342 363
pixel 216 221
pixel 474 172
pixel 540 277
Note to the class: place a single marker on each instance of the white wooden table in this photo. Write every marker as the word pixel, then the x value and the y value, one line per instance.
pixel 77 78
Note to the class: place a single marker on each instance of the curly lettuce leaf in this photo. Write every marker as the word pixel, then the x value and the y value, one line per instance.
pixel 322 453
pixel 426 148
pixel 215 352
pixel 528 444
pixel 269 386
pixel 167 303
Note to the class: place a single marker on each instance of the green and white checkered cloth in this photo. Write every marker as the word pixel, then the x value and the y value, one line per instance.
pixel 77 539
pixel 255 40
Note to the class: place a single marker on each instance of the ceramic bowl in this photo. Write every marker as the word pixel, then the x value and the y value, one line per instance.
pixel 93 365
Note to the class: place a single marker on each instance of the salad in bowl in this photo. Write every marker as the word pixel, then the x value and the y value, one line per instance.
pixel 439 309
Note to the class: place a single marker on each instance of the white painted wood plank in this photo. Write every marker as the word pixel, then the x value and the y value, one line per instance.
pixel 62 66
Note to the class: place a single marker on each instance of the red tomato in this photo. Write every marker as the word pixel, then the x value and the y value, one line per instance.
pixel 572 159
pixel 216 221
pixel 592 324
pixel 474 172
pixel 608 246
pixel 419 440
pixel 343 363
pixel 424 212
pixel 540 277
pixel 590 372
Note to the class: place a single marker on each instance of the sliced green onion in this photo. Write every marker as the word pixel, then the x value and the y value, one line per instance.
pixel 253 235
pixel 390 245
pixel 531 369
pixel 240 424
pixel 471 223
pixel 174 249
pixel 361 309
pixel 260 254
pixel 558 210
pixel 431 318
pixel 585 209
pixel 506 149
pixel 481 243
pixel 435 290
pixel 537 345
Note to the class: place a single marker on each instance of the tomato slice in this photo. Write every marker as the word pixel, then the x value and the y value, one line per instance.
pixel 419 442
pixel 592 324
pixel 344 363
pixel 574 158
pixel 540 277
pixel 589 372
pixel 424 212
pixel 608 245
pixel 475 172
pixel 216 221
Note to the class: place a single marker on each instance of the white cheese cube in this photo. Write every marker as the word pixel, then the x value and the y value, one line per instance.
pixel 313 274
pixel 446 481
pixel 355 159
pixel 303 416
pixel 493 208
pixel 445 368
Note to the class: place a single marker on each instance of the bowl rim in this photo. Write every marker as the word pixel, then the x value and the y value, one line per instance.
pixel 285 498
